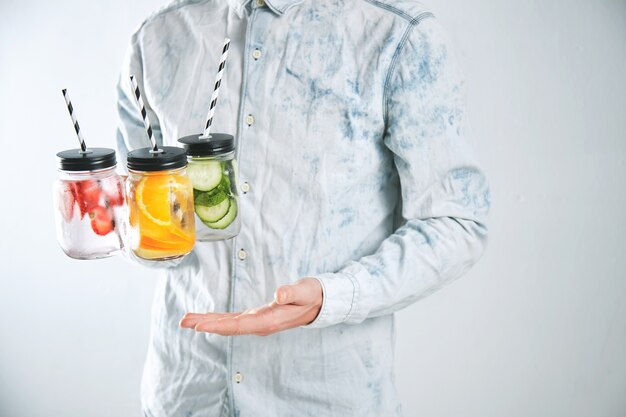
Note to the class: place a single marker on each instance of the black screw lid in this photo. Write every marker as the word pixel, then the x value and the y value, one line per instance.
pixel 92 159
pixel 144 159
pixel 216 144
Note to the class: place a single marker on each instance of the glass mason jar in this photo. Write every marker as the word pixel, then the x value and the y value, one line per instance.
pixel 160 204
pixel 213 173
pixel 89 203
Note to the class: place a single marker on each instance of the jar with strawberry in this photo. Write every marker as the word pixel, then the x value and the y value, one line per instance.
pixel 90 204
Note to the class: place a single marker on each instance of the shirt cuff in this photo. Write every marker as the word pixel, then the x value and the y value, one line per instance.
pixel 340 292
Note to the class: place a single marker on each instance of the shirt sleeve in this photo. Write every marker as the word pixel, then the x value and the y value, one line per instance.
pixel 131 133
pixel 444 193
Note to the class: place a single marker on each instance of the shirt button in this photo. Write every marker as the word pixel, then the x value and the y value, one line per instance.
pixel 256 54
pixel 238 377
pixel 249 120
pixel 242 254
pixel 260 3
pixel 245 187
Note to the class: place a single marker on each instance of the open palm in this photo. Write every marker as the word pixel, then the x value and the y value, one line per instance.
pixel 293 306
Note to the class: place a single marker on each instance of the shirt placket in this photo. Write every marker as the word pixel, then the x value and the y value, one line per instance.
pixel 239 355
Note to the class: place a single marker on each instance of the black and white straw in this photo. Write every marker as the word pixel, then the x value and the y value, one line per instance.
pixel 144 114
pixel 216 89
pixel 70 108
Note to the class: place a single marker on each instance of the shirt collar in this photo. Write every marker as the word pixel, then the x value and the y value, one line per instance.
pixel 277 6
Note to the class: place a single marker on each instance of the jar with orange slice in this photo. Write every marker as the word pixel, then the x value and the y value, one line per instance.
pixel 160 203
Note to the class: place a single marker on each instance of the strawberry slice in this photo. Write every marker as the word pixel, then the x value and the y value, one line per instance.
pixel 101 221
pixel 113 192
pixel 68 200
pixel 87 195
pixel 73 188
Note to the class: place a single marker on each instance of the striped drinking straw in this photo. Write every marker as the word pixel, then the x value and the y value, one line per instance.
pixel 144 115
pixel 70 108
pixel 216 90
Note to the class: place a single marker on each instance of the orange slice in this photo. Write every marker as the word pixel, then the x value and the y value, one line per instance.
pixel 154 253
pixel 159 243
pixel 156 194
pixel 153 199
pixel 161 203
pixel 189 236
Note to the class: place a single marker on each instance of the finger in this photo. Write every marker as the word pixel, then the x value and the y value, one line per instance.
pixel 191 319
pixel 194 315
pixel 266 320
pixel 250 323
pixel 289 316
pixel 304 292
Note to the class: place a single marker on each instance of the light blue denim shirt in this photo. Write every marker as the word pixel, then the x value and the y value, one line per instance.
pixel 349 125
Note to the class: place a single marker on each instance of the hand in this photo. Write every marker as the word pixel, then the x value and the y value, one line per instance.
pixel 293 306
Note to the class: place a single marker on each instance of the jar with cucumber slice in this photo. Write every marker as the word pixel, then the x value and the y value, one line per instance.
pixel 212 169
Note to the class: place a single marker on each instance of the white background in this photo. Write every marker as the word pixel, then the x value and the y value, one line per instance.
pixel 538 328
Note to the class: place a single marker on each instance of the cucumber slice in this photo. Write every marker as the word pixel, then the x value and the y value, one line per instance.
pixel 213 213
pixel 205 175
pixel 228 218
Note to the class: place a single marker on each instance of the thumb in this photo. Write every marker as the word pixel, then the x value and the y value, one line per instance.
pixel 306 291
